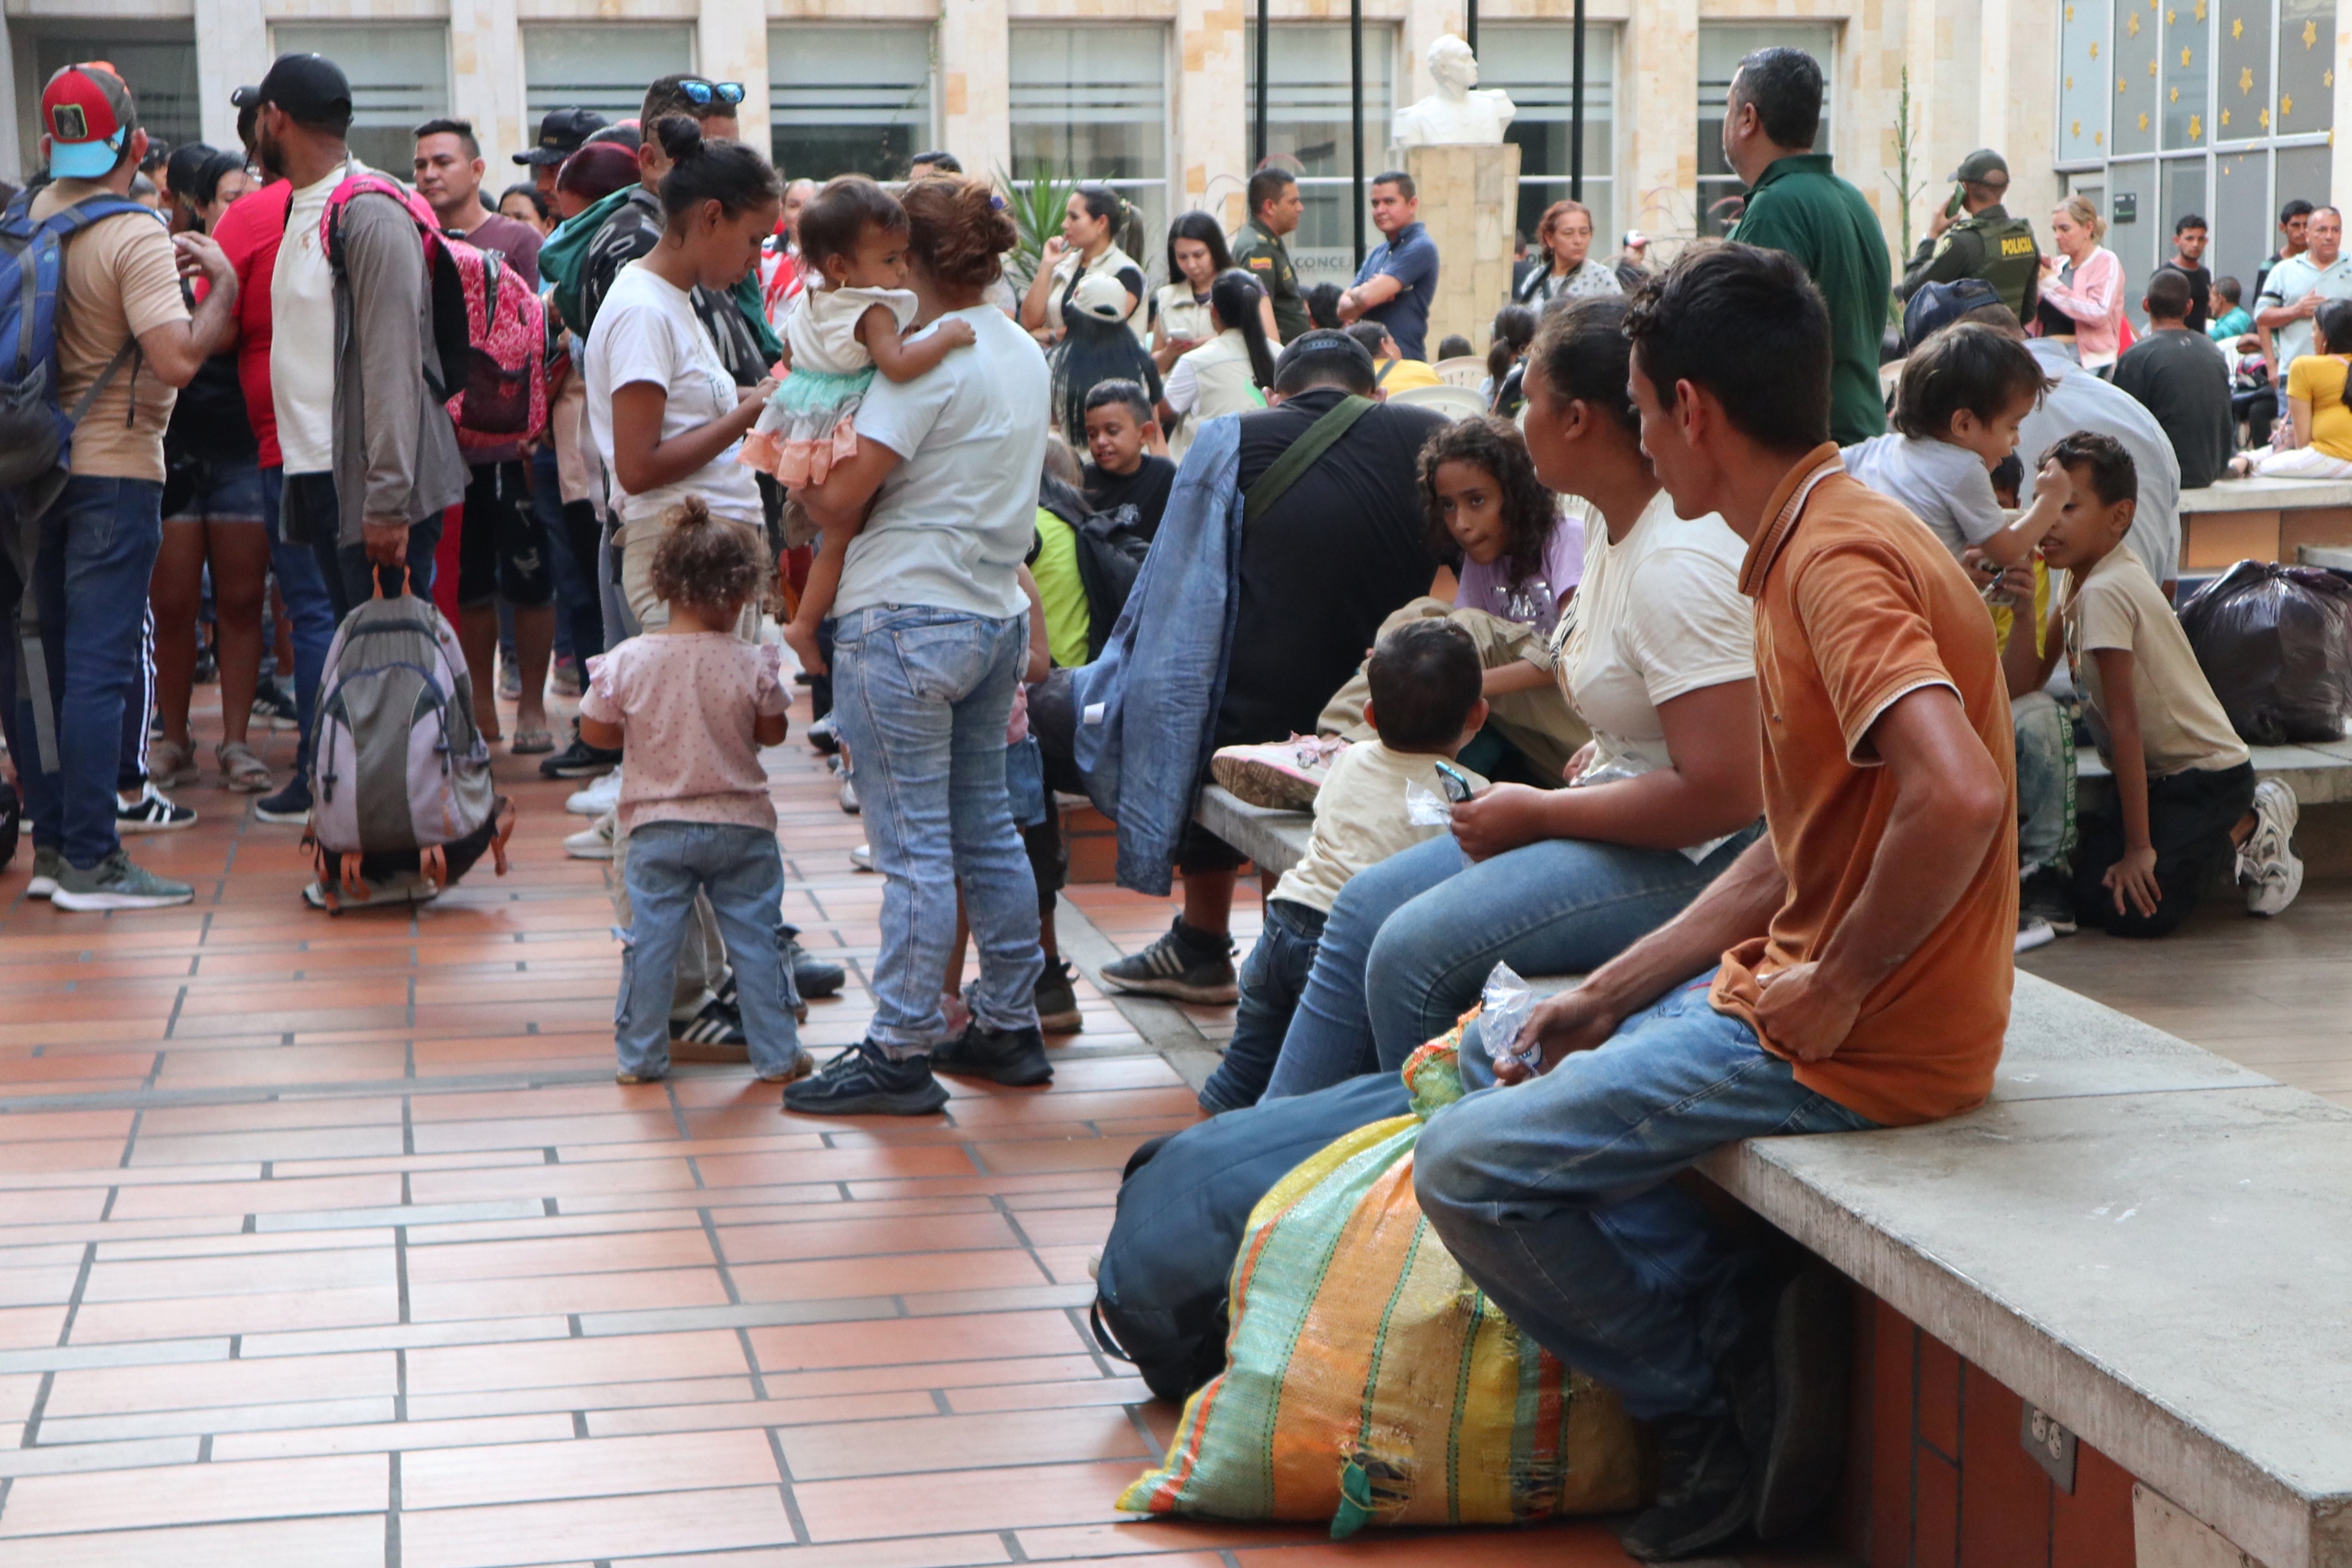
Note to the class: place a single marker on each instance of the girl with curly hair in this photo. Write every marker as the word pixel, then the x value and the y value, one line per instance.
pixel 1521 555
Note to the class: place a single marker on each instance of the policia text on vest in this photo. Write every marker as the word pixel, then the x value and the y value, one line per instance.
pixel 1990 245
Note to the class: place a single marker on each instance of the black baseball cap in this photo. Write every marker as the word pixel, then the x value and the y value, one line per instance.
pixel 311 88
pixel 562 132
pixel 1982 167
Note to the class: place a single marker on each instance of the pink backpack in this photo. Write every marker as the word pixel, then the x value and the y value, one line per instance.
pixel 491 330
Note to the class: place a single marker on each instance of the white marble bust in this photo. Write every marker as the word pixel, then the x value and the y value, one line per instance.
pixel 1459 112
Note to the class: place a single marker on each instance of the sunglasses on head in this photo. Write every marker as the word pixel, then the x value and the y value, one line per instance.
pixel 701 93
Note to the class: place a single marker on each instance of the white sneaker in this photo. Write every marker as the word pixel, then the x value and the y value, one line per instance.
pixel 2267 862
pixel 862 857
pixel 591 843
pixel 2034 931
pixel 597 798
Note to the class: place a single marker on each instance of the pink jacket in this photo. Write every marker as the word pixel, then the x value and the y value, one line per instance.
pixel 2095 300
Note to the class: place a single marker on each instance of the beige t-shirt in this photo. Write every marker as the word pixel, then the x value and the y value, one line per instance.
pixel 121 278
pixel 1359 819
pixel 2182 728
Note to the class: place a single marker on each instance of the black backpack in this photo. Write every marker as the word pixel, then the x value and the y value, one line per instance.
pixel 1160 1292
pixel 1111 548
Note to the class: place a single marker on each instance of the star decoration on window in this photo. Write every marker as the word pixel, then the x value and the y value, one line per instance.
pixel 2196 128
pixel 2264 119
pixel 2172 19
pixel 2199 11
pixel 2238 28
pixel 2131 23
pixel 2070 84
pixel 2310 34
pixel 2286 104
pixel 2095 49
pixel 2122 85
pixel 2151 67
pixel 2176 95
pixel 2075 131
pixel 2098 138
pixel 2245 79
pixel 2143 120
pixel 2070 13
pixel 2327 78
pixel 2225 120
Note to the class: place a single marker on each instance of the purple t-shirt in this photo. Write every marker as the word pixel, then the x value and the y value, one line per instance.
pixel 1489 587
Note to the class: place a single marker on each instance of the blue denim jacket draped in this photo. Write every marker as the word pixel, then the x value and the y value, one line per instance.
pixel 1148 707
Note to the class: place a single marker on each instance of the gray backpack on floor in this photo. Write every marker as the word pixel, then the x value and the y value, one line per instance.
pixel 400 777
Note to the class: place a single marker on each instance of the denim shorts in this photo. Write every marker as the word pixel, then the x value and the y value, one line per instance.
pixel 217 489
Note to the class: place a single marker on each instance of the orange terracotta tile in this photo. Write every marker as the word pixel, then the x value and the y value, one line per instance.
pixel 964 1499
pixel 196 1494
pixel 899 1274
pixel 937 1444
pixel 600 1528
pixel 545 1363
pixel 586 1467
pixel 354 1541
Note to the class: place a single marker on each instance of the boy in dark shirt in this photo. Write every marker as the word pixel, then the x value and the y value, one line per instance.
pixel 1122 437
pixel 2179 376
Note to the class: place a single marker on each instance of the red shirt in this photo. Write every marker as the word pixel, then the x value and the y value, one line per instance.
pixel 250 232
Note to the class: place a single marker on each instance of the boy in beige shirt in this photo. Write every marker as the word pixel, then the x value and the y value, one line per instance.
pixel 2185 795
pixel 1424 707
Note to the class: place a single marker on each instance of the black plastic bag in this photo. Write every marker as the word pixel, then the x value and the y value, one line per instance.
pixel 2276 645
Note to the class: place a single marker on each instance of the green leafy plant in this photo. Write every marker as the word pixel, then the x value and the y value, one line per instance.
pixel 1037 201
pixel 1907 186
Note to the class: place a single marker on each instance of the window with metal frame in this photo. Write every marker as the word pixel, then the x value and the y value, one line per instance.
pixel 1721 46
pixel 1310 132
pixel 1536 65
pixel 849 100
pixel 399 74
pixel 1092 102
pixel 603 66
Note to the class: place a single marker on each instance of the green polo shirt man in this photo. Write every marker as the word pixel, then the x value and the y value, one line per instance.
pixel 1274 206
pixel 1796 203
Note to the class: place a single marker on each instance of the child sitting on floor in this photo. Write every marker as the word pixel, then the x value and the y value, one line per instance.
pixel 1424 706
pixel 2185 796
pixel 689 705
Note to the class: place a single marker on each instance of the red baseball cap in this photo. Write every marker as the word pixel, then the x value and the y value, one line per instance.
pixel 88 115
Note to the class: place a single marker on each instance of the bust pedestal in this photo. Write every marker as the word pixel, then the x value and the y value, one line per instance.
pixel 1469 198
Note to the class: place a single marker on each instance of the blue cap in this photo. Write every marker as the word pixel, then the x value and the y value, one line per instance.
pixel 1938 305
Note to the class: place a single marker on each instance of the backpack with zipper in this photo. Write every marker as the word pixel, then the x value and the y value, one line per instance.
pixel 1111 546
pixel 489 329
pixel 36 427
pixel 400 778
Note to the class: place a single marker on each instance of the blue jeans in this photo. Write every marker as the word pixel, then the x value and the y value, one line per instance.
pixel 1554 1195
pixel 96 552
pixel 1411 940
pixel 309 605
pixel 742 873
pixel 1272 982
pixel 922 696
pixel 2045 781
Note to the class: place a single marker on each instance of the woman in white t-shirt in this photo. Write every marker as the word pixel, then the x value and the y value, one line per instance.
pixel 1227 374
pixel 1087 246
pixel 663 409
pixel 930 638
pixel 1657 654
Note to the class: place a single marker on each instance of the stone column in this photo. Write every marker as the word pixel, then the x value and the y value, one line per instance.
pixel 1658 117
pixel 976 99
pixel 730 44
pixel 232 51
pixel 1212 152
pixel 2017 101
pixel 1469 196
pixel 486 83
pixel 15 158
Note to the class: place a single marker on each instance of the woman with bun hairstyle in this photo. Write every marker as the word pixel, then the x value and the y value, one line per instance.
pixel 1087 246
pixel 666 416
pixel 930 638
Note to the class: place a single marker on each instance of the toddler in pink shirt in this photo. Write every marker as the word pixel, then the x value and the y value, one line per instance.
pixel 689 706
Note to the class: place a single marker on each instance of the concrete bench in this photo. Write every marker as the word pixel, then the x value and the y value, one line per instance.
pixel 2145 1243
pixel 2264 519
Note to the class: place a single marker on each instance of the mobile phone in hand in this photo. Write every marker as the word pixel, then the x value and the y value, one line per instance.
pixel 1457 787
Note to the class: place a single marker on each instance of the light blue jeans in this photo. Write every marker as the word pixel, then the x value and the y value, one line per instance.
pixel 741 871
pixel 2045 781
pixel 923 696
pixel 1411 940
pixel 1554 1195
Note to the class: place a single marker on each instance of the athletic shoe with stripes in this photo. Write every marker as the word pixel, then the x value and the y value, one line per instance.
pixel 1187 964
pixel 153 812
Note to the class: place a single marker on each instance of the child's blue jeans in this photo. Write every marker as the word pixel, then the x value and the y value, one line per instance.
pixel 1273 979
pixel 742 872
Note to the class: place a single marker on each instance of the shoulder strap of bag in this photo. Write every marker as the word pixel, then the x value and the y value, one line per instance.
pixel 1303 454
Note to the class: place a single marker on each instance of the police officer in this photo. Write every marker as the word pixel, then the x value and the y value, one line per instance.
pixel 1974 236
pixel 1274 206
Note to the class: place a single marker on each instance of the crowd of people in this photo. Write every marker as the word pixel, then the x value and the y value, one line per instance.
pixel 1695 663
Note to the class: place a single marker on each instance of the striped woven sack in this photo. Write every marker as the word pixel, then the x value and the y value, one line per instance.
pixel 1368 1381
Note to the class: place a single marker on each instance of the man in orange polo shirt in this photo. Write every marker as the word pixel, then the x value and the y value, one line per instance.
pixel 1850 970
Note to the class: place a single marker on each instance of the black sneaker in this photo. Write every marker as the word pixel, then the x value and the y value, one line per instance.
pixel 1016 1058
pixel 863 1081
pixel 1187 964
pixel 824 735
pixel 1706 1491
pixel 812 976
pixel 2048 895
pixel 153 812
pixel 579 760
pixel 291 804
pixel 272 702
pixel 713 1035
pixel 1058 1000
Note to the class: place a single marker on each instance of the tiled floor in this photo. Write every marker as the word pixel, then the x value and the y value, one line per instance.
pixel 329 1241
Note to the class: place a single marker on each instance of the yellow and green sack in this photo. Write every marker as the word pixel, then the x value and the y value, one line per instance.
pixel 1369 1382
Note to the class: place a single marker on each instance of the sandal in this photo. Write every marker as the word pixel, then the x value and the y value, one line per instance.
pixel 532 742
pixel 242 772
pixel 170 765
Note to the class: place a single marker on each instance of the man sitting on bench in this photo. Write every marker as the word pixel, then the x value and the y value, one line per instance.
pixel 1850 970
